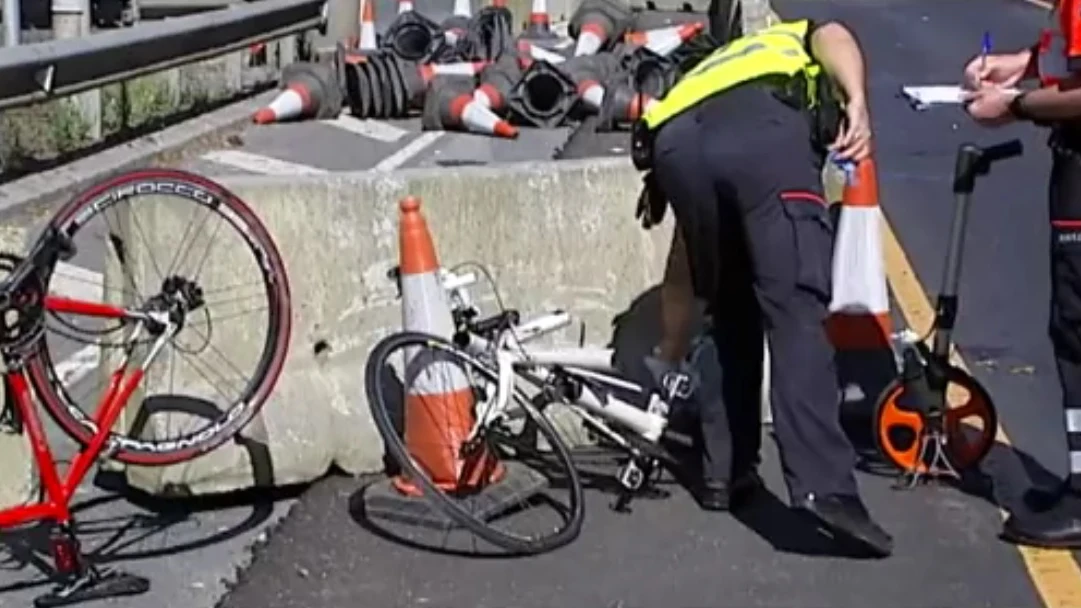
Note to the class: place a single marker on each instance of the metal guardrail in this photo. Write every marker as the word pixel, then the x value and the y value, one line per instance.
pixel 36 72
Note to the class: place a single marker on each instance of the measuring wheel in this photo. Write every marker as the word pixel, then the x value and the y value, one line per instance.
pixel 969 428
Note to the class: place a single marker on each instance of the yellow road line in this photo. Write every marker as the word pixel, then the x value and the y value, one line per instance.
pixel 1055 573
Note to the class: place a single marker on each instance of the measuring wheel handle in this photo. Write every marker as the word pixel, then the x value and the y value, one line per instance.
pixel 928 443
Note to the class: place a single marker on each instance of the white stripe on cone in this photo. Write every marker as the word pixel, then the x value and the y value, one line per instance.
pixel 592 94
pixel 288 104
pixel 479 119
pixel 589 41
pixel 463 8
pixel 458 68
pixel 664 40
pixel 542 54
pixel 859 271
pixel 404 6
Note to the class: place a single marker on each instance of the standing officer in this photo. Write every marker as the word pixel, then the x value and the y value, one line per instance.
pixel 1056 61
pixel 736 148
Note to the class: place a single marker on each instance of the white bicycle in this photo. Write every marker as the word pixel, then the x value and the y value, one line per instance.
pixel 513 387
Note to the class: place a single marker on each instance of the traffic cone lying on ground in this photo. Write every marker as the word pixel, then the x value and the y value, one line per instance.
pixel 622 103
pixel 588 72
pixel 664 40
pixel 596 22
pixel 449 104
pixel 439 400
pixel 860 308
pixel 496 83
pixel 310 91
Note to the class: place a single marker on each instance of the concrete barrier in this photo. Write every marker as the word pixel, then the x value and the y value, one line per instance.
pixel 555 235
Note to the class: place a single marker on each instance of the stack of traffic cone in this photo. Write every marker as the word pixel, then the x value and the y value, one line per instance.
pixel 664 40
pixel 859 324
pixel 438 397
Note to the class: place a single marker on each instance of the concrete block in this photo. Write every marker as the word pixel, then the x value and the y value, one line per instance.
pixel 555 235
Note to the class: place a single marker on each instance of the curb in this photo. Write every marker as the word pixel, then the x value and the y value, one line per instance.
pixel 40 193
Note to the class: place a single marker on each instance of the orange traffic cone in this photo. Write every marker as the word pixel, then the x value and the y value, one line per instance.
pixel 368 40
pixel 664 40
pixel 860 309
pixel 439 399
pixel 539 26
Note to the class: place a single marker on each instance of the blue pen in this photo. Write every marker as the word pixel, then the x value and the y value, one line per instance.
pixel 985 49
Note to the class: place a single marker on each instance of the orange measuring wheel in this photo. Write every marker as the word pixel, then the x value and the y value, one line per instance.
pixel 970 424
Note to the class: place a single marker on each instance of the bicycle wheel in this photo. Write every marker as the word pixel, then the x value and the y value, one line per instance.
pixel 461 477
pixel 249 317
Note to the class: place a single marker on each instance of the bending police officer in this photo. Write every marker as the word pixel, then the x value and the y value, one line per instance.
pixel 1056 62
pixel 736 148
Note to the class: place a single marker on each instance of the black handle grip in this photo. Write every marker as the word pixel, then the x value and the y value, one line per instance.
pixel 973 160
pixel 1003 151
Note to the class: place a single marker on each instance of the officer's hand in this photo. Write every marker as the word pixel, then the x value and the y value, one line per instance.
pixel 854 141
pixel 990 106
pixel 1002 70
pixel 651 203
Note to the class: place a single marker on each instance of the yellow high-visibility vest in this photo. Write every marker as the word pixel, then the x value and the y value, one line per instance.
pixel 777 50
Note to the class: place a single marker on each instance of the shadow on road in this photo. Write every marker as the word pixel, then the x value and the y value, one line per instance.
pixel 118 525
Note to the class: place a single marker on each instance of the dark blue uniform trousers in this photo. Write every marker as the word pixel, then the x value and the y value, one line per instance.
pixel 744 184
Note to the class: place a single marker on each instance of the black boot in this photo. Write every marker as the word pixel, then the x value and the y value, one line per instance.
pixel 846 516
pixel 714 495
pixel 1058 526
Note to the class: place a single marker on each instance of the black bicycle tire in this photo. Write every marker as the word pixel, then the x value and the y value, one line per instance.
pixel 377 360
pixel 76 423
pixel 955 375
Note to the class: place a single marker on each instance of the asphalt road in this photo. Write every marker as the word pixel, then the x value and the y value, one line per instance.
pixel 668 552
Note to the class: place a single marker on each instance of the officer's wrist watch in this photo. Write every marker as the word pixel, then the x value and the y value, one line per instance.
pixel 1017 109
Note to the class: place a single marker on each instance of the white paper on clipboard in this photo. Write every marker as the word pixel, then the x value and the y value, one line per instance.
pixel 923 97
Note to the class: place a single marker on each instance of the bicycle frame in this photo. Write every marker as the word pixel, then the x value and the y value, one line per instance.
pixel 594 365
pixel 58 492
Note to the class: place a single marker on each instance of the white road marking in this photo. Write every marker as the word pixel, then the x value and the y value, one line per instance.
pixel 375 129
pixel 72 370
pixel 78 283
pixel 257 163
pixel 408 151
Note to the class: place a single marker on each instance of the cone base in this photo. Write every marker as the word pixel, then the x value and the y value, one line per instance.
pixel 382 501
pixel 484 474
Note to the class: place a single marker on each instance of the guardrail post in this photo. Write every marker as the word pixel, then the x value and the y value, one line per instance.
pixel 343 22
pixel 71 19
pixel 12 22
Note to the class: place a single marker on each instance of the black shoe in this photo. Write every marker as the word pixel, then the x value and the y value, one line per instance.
pixel 713 495
pixel 1057 527
pixel 1043 499
pixel 846 516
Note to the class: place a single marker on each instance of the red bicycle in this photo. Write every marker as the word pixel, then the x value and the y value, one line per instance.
pixel 160 314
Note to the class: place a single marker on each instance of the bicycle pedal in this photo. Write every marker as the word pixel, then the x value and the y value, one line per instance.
pixel 622 503
pixel 94 585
